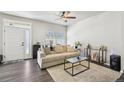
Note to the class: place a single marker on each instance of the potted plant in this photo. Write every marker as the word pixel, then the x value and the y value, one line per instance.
pixel 77 44
pixel 103 47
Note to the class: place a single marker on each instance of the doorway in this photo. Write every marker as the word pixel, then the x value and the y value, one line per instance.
pixel 17 42
pixel 14 43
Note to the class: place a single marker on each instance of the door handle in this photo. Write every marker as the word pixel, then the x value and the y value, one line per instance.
pixel 22 43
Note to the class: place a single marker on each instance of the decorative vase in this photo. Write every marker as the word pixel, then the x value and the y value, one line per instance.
pixel 76 47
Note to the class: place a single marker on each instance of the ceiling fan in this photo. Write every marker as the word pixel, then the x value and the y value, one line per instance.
pixel 65 15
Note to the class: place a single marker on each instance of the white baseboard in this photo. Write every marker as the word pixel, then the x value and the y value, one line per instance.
pixel 107 64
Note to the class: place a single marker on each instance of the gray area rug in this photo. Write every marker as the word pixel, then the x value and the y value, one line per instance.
pixel 96 73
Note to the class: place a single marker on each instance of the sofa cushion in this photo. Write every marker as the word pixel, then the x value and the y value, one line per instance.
pixel 61 56
pixel 52 52
pixel 59 49
pixel 71 54
pixel 53 57
pixel 64 48
pixel 70 49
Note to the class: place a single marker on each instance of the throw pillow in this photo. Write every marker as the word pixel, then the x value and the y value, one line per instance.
pixel 70 49
pixel 64 48
pixel 47 50
pixel 59 49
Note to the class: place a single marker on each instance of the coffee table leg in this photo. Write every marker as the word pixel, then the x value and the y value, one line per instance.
pixel 64 65
pixel 72 69
pixel 88 63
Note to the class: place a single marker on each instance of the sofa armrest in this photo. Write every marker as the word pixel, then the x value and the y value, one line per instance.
pixel 39 60
pixel 40 56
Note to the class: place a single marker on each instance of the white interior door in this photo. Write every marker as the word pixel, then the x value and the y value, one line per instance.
pixel 14 43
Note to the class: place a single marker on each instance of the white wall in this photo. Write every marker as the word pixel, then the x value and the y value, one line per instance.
pixel 122 57
pixel 39 28
pixel 104 29
pixel 0 37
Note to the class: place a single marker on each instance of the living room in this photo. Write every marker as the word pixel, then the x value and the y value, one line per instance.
pixel 99 31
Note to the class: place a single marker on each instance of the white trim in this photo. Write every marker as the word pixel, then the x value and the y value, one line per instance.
pixel 19 24
pixel 15 23
pixel 3 50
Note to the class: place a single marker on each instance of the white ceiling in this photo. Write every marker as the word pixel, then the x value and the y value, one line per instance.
pixel 52 16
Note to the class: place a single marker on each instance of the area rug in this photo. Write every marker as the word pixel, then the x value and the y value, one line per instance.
pixel 96 73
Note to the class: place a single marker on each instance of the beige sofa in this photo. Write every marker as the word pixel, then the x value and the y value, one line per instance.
pixel 47 58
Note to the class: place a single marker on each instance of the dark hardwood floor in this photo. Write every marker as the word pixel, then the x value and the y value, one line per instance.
pixel 25 71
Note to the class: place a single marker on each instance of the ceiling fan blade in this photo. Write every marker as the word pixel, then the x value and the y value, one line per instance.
pixel 64 13
pixel 70 17
pixel 58 19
